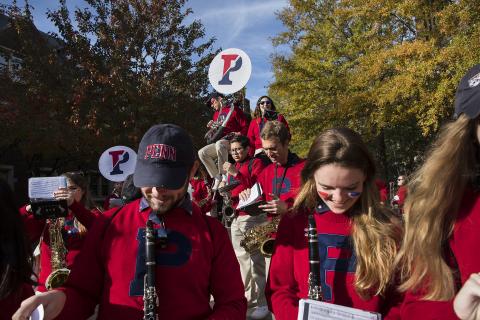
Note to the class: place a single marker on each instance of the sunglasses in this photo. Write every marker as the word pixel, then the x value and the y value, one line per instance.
pixel 264 102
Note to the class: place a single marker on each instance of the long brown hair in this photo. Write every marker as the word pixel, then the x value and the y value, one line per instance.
pixel 376 233
pixel 257 113
pixel 431 206
pixel 79 179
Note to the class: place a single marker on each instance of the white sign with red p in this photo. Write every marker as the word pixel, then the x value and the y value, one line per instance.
pixel 116 163
pixel 230 71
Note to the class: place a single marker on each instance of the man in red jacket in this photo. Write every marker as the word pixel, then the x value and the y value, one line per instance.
pixel 215 154
pixel 280 181
pixel 194 261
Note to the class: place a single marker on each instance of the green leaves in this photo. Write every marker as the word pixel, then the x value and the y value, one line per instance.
pixel 376 66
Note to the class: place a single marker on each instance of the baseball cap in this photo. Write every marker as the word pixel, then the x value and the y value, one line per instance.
pixel 165 156
pixel 213 95
pixel 467 98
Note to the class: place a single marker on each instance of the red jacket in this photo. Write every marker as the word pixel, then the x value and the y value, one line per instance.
pixel 463 244
pixel 200 194
pixel 73 239
pixel 246 177
pixel 237 122
pixel 402 194
pixel 289 268
pixel 198 262
pixel 282 180
pixel 254 129
pixel 382 189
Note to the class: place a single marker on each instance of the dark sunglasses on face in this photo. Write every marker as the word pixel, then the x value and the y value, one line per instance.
pixel 264 102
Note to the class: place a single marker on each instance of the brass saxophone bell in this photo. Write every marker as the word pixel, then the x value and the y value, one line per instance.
pixel 57 278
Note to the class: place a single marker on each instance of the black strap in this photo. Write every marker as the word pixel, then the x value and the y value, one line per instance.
pixel 277 190
pixel 250 166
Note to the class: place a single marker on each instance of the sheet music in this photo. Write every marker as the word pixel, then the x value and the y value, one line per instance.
pixel 38 313
pixel 317 310
pixel 43 188
pixel 255 193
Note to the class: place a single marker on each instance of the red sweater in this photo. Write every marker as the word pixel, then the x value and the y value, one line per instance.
pixel 382 189
pixel 254 129
pixel 10 304
pixel 237 122
pixel 200 194
pixel 289 268
pixel 199 261
pixel 284 180
pixel 245 177
pixel 73 239
pixel 402 194
pixel 465 236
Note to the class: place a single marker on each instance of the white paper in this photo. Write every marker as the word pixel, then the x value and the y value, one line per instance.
pixel 43 188
pixel 255 193
pixel 38 313
pixel 317 310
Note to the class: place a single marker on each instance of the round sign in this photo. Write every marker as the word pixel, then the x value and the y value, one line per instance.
pixel 229 71
pixel 116 163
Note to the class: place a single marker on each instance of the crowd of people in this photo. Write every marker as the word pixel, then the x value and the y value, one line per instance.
pixel 408 258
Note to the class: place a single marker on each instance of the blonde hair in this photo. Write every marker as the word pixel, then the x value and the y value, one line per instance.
pixel 376 233
pixel 435 193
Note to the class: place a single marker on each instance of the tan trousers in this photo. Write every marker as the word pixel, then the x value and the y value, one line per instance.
pixel 252 267
pixel 212 152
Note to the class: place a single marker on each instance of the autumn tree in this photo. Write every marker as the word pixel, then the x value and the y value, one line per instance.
pixel 388 69
pixel 115 68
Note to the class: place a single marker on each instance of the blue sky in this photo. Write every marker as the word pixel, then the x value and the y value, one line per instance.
pixel 245 24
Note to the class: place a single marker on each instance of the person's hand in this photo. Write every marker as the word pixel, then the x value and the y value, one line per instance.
pixel 243 196
pixel 52 301
pixel 230 169
pixel 28 208
pixel 275 206
pixel 64 194
pixel 467 301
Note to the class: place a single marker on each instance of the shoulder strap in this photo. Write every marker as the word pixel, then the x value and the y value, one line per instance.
pixel 250 166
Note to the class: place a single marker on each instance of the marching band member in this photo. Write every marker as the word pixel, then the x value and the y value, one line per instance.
pixel 264 111
pixel 442 213
pixel 194 257
pixel 357 236
pixel 280 181
pixel 201 191
pixel 82 213
pixel 218 151
pixel 15 256
pixel 252 266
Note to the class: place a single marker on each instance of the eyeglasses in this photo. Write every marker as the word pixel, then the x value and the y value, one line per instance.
pixel 264 102
pixel 400 179
pixel 236 150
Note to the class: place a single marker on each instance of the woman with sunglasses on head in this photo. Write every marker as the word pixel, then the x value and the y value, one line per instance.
pixel 82 213
pixel 357 236
pixel 15 256
pixel 442 213
pixel 264 111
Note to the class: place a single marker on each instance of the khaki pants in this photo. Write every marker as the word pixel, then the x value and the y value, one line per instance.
pixel 252 267
pixel 212 152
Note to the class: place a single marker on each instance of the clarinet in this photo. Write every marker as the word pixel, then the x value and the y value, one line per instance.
pixel 314 287
pixel 149 291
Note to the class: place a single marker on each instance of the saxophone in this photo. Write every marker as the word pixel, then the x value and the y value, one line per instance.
pixel 260 238
pixel 59 273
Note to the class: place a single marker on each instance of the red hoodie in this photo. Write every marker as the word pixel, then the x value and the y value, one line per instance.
pixel 237 122
pixel 254 129
pixel 464 239
pixel 248 170
pixel 197 263
pixel 200 194
pixel 72 237
pixel 282 180
pixel 289 268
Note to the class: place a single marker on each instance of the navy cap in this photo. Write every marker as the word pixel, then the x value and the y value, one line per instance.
pixel 467 98
pixel 165 156
pixel 213 95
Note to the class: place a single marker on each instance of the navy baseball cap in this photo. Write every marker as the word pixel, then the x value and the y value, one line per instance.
pixel 165 156
pixel 213 95
pixel 467 98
